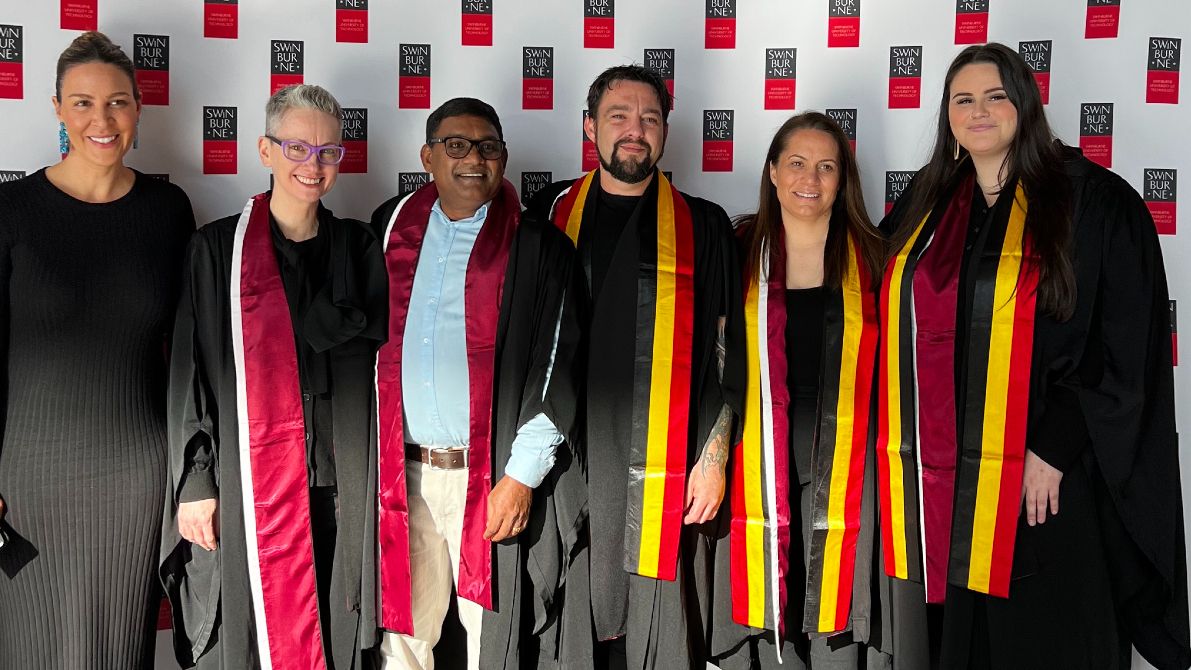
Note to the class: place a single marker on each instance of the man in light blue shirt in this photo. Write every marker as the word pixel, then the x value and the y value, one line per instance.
pixel 474 398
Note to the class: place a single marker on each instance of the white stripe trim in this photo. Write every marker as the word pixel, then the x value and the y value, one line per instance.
pixel 384 245
pixel 918 427
pixel 561 194
pixel 767 444
pixel 248 499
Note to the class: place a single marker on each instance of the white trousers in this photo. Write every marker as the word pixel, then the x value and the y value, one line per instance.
pixel 436 503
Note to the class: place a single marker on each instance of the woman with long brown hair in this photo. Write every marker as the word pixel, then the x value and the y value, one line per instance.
pixel 801 539
pixel 1025 357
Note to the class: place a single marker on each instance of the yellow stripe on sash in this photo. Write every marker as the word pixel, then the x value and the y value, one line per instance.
pixel 897 492
pixel 751 456
pixel 988 488
pixel 657 440
pixel 842 460
pixel 576 217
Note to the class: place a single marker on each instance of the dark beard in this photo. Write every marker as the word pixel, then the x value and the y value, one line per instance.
pixel 624 171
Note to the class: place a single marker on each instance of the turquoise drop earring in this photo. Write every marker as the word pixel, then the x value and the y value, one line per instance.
pixel 63 139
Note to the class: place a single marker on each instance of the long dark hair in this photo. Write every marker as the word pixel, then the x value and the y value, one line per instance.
pixel 763 228
pixel 1035 160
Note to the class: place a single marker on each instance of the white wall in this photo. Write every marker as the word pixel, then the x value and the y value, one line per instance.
pixel 236 73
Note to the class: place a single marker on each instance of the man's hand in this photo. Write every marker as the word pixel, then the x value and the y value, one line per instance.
pixel 198 522
pixel 508 509
pixel 704 491
pixel 1039 485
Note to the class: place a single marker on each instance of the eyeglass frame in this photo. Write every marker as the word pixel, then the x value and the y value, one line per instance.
pixel 471 144
pixel 315 151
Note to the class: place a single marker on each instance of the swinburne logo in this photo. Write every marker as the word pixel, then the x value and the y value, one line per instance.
pixel 11 175
pixel 1095 131
pixel 599 24
pixel 718 131
pixel 661 61
pixel 477 23
pixel 351 21
pixel 151 57
pixel 1038 56
pixel 1103 19
pixel 1159 190
pixel 537 78
pixel 720 26
pixel 219 140
pixel 414 76
pixel 12 61
pixel 905 77
pixel 408 182
pixel 286 64
pixel 781 71
pixel 971 21
pixel 895 184
pixel 843 23
pixel 1162 76
pixel 532 183
pixel 846 119
pixel 355 140
pixel 221 18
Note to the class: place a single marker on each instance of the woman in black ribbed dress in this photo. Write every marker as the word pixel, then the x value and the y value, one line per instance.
pixel 90 260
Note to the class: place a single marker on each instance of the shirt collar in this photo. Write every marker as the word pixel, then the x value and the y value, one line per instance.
pixel 473 221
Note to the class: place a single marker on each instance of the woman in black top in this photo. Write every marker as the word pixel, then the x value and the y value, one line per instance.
pixel 90 260
pixel 801 542
pixel 1025 355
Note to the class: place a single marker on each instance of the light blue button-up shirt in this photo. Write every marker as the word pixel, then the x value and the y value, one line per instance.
pixel 434 376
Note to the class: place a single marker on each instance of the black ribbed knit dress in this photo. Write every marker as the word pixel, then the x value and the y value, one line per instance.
pixel 87 296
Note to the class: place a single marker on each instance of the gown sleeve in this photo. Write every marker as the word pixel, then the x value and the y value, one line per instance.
pixel 1127 397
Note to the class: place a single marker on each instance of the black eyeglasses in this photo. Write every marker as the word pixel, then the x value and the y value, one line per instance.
pixel 460 147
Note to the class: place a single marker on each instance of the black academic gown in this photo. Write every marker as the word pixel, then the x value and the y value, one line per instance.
pixel 209 591
pixel 1110 569
pixel 539 576
pixel 665 621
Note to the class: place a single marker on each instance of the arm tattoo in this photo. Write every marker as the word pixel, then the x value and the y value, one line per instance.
pixel 715 451
pixel 721 345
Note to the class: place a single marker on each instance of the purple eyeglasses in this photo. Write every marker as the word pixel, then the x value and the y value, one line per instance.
pixel 300 152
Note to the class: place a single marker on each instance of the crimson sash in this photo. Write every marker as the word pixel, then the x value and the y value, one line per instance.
pixel 482 289
pixel 272 452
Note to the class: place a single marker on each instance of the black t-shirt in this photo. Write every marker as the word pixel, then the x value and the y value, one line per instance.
pixel 804 358
pixel 612 213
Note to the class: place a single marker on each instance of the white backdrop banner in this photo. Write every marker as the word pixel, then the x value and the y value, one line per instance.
pixel 1108 70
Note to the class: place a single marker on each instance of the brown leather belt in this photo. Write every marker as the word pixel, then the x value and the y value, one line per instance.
pixel 437 458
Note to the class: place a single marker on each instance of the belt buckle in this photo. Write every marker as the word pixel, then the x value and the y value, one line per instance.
pixel 447 459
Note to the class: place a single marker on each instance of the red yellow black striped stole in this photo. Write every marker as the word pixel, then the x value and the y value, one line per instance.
pixel 996 385
pixel 662 377
pixel 272 452
pixel 759 537
pixel 485 282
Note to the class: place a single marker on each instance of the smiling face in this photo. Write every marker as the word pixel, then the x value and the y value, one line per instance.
pixel 301 183
pixel 983 119
pixel 806 176
pixel 464 184
pixel 628 130
pixel 99 111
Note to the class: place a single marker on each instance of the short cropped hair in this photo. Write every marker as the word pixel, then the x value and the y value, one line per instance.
pixel 93 47
pixel 299 96
pixel 462 107
pixel 637 73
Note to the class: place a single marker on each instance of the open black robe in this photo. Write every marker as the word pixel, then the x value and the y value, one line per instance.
pixel 209 591
pixel 1110 568
pixel 539 589
pixel 665 621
